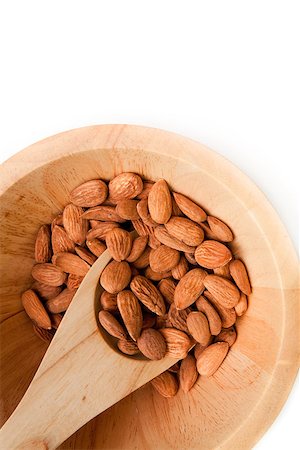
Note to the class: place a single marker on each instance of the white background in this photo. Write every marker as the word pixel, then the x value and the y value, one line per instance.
pixel 222 72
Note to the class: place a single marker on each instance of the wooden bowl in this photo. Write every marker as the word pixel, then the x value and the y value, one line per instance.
pixel 230 410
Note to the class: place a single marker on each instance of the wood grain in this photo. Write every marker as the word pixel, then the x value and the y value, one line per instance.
pixel 233 408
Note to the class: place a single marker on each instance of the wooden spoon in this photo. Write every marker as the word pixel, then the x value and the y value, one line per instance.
pixel 79 377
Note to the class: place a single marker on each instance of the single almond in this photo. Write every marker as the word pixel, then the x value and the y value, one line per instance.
pixel 153 242
pixel 220 229
pixel 111 325
pixel 207 231
pixel 177 318
pixel 70 263
pixel 109 302
pixel 61 302
pixel 165 384
pixel 223 290
pixel 127 209
pixel 35 309
pixel 223 271
pixel 74 224
pixel 242 305
pixel 189 288
pixel 74 281
pixel 178 342
pixel 103 213
pixel 214 320
pixel 91 193
pixel 189 208
pixel 44 335
pixel 188 374
pixel 181 269
pixel 156 276
pixel 227 315
pixel 44 291
pixel 147 186
pixel 131 313
pixel 191 258
pixel 115 277
pixel 211 358
pixel 143 261
pixel 152 344
pixel 138 246
pixel 198 349
pixel 165 238
pixel 96 247
pixel 49 274
pixel 58 220
pixel 141 228
pixel 239 274
pixel 167 289
pixel 100 231
pixel 119 243
pixel 43 251
pixel 198 327
pixel 185 230
pixel 163 258
pixel 144 214
pixel 127 185
pixel 148 294
pixel 61 241
pixel 87 256
pixel 128 347
pixel 176 211
pixel 211 254
pixel 227 335
pixel 160 202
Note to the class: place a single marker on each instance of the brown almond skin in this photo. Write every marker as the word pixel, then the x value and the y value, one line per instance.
pixel 127 209
pixel 198 349
pixel 109 302
pixel 148 294
pixel 142 228
pixel 44 291
pixel 178 342
pixel 44 335
pixel 165 384
pixel 144 214
pixel 75 226
pixel 61 302
pixel 181 269
pixel 239 274
pixel 163 259
pixel 167 289
pixel 152 344
pixel 160 202
pixel 214 320
pixel 185 230
pixel 48 273
pixel 147 186
pixel 128 347
pixel 86 255
pixel 70 263
pixel 227 315
pixel 61 241
pixel 188 373
pixel 131 313
pixel 223 271
pixel 91 193
pixel 212 254
pixel 103 213
pixel 177 318
pixel 198 327
pixel 149 321
pixel 211 358
pixel 220 229
pixel 223 290
pixel 43 250
pixel 227 335
pixel 175 368
pixel 189 208
pixel 143 261
pixel 96 247
pixel 156 276
pixel 58 220
pixel 165 238
pixel 56 320
pixel 74 281
pixel 111 325
pixel 126 185
pixel 115 277
pixel 153 242
pixel 35 309
pixel 189 288
pixel 242 305
pixel 191 258
pixel 100 231
pixel 119 243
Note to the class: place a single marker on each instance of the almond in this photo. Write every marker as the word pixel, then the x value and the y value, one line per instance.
pixel 128 347
pixel 56 320
pixel 115 277
pixel 160 202
pixel 131 313
pixel 161 321
pixel 84 254
pixel 242 305
pixel 189 208
pixel 181 269
pixel 189 288
pixel 167 289
pixel 91 193
pixel 178 342
pixel 163 259
pixel 165 238
pixel 239 274
pixel 74 282
pixel 119 243
pixel 49 274
pixel 143 261
pixel 185 230
pixel 198 349
pixel 148 294
pixel 43 245
pixel 35 309
pixel 124 186
pixel 141 228
pixel 75 226
pixel 61 241
pixel 220 229
pixel 58 220
pixel 61 302
pixel 44 335
pixel 177 318
pixel 188 373
pixel 227 315
pixel 127 209
pixel 111 325
pixel 207 231
pixel 198 327
pixel 96 247
pixel 214 320
pixel 138 246
pixel 176 211
pixel 153 242
pixel 144 214
pixel 100 231
pixel 109 302
pixel 223 290
pixel 152 344
pixel 227 335
pixel 191 258
pixel 175 368
pixel 45 291
pixel 211 358
pixel 211 254
pixel 70 263
pixel 223 271
pixel 156 276
pixel 147 186
pixel 103 213
pixel 165 384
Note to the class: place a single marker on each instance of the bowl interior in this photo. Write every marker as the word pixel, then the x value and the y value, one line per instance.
pixel 215 410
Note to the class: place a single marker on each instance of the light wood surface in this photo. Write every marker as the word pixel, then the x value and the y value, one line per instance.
pixel 230 410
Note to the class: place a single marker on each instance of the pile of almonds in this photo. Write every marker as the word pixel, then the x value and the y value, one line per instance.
pixel 172 289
